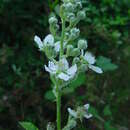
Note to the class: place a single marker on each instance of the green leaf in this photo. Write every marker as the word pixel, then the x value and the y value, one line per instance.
pixel 28 126
pixel 81 79
pixel 108 126
pixel 49 95
pixel 105 64
pixel 107 111
pixel 93 111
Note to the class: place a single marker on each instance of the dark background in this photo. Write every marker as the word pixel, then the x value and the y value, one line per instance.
pixel 24 85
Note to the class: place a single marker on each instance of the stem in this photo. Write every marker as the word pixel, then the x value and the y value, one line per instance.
pixel 62 37
pixel 58 101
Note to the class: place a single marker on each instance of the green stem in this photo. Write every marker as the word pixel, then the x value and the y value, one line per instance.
pixel 58 101
pixel 62 38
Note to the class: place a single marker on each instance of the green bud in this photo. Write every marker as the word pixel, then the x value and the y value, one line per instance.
pixel 75 52
pixel 82 44
pixel 68 7
pixel 78 4
pixel 81 15
pixel 76 60
pixel 53 20
pixel 74 33
pixel 69 50
pixel 71 17
pixel 66 1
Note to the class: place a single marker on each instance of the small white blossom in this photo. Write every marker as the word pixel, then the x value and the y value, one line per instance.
pixel 39 42
pixel 84 111
pixel 70 73
pixel 61 69
pixel 91 60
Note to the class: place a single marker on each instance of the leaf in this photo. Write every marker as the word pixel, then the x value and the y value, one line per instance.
pixel 108 126
pixel 107 111
pixel 28 126
pixel 81 79
pixel 105 64
pixel 49 95
pixel 93 111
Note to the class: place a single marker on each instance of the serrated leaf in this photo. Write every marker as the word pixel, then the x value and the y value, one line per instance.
pixel 105 64
pixel 28 126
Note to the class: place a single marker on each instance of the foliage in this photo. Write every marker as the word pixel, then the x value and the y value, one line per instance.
pixel 23 81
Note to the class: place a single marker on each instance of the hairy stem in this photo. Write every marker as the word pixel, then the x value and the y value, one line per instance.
pixel 62 38
pixel 58 101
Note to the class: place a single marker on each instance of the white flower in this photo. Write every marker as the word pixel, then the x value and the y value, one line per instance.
pixel 39 42
pixel 49 40
pixel 80 112
pixel 70 73
pixel 61 69
pixel 91 60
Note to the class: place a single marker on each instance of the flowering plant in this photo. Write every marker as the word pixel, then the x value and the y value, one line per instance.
pixel 67 56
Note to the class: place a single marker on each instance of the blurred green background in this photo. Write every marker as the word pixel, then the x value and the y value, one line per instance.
pixel 25 88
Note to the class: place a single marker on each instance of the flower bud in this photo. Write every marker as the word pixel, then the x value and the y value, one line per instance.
pixel 69 50
pixel 66 1
pixel 71 17
pixel 69 7
pixel 76 60
pixel 75 52
pixel 78 5
pixel 74 33
pixel 53 20
pixel 81 15
pixel 82 44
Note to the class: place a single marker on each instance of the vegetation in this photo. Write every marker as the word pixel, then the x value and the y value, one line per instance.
pixel 25 93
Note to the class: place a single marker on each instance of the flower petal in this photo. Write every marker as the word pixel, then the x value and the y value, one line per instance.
pixel 86 106
pixel 72 70
pixel 72 112
pixel 57 46
pixel 96 69
pixel 89 58
pixel 87 116
pixel 53 66
pixel 65 64
pixel 64 76
pixel 47 69
pixel 49 39
pixel 39 42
